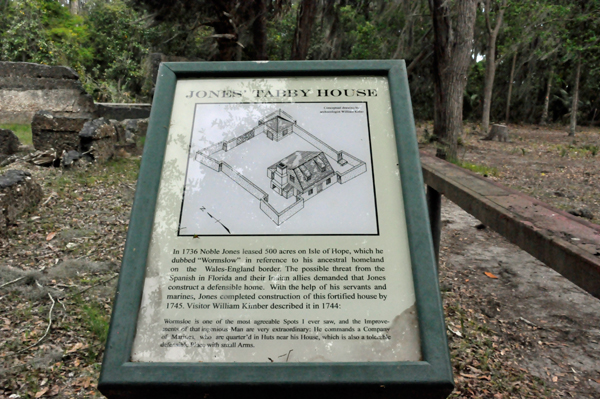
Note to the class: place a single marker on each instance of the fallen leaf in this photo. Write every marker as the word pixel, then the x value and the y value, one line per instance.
pixel 50 236
pixel 41 393
pixel 75 347
pixel 490 275
pixel 80 199
pixel 457 333
pixel 55 390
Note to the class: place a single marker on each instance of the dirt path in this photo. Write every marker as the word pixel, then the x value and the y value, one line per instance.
pixel 541 327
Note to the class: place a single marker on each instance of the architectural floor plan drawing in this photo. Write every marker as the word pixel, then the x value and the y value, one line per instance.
pixel 280 165
pixel 302 174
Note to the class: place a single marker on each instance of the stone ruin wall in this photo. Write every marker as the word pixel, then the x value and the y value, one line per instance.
pixel 26 88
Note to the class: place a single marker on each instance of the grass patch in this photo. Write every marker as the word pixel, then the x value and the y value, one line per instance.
pixel 23 132
pixel 481 169
pixel 570 150
pixel 592 149
pixel 124 167
pixel 115 171
pixel 96 320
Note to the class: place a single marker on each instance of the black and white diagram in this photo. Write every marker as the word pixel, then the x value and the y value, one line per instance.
pixel 280 169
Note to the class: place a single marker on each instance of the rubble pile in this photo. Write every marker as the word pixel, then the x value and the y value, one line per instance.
pixel 66 140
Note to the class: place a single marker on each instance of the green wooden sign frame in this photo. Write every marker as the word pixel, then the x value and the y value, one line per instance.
pixel 429 378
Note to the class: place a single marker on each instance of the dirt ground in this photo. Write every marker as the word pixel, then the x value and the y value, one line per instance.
pixel 542 162
pixel 58 273
pixel 528 333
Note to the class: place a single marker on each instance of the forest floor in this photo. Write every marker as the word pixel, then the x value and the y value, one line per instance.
pixel 528 333
pixel 521 330
pixel 541 162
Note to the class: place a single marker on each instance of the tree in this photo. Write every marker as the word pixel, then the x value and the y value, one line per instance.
pixel 42 31
pixel 490 59
pixel 510 85
pixel 331 30
pixel 306 17
pixel 413 42
pixel 119 41
pixel 453 29
pixel 74 7
pixel 237 25
pixel 575 102
pixel 544 119
pixel 259 30
pixel 281 24
pixel 582 44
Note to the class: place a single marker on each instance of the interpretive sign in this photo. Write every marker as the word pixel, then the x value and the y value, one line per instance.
pixel 279 240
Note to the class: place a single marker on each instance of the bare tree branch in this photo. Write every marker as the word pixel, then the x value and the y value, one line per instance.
pixel 47 329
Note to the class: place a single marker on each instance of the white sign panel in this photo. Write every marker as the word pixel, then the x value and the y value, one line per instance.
pixel 279 233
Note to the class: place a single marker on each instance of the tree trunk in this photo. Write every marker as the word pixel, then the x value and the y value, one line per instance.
pixel 547 98
pixel 510 84
pixel 526 86
pixel 488 85
pixel 575 98
pixel 306 17
pixel 330 25
pixel 452 54
pixel 259 30
pixel 490 64
pixel 226 32
pixel 74 7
